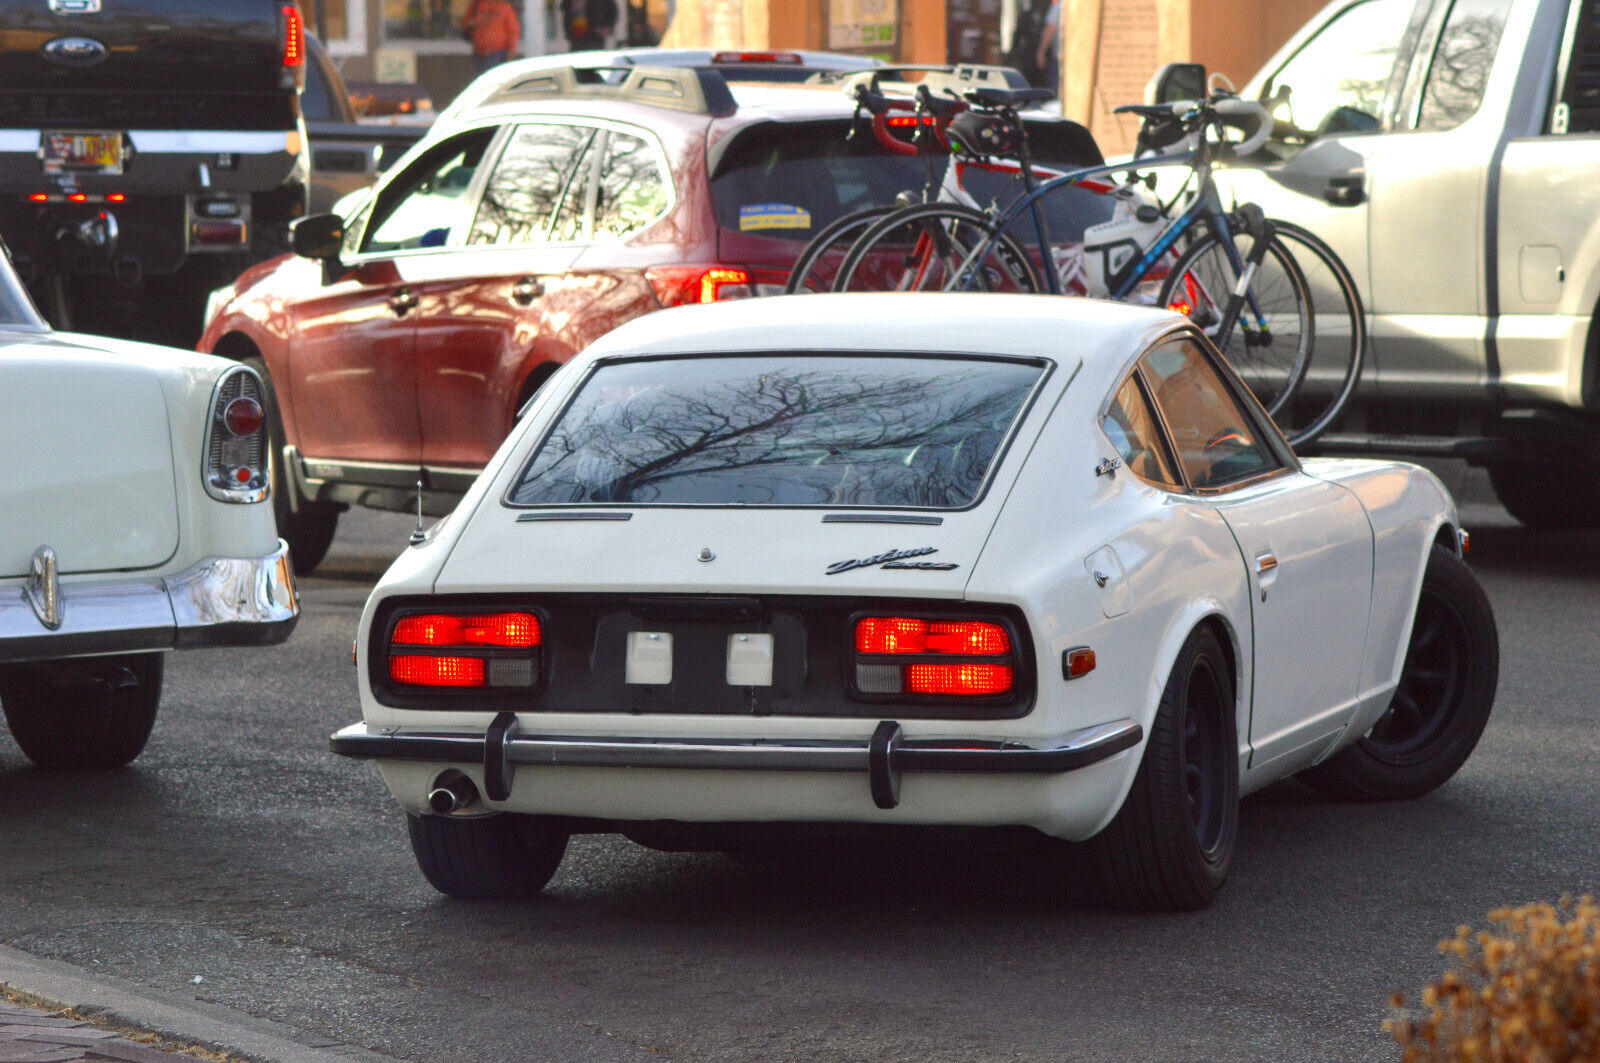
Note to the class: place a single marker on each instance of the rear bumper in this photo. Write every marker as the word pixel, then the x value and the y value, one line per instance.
pixel 219 602
pixel 882 758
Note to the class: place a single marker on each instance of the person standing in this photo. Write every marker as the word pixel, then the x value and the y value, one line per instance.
pixel 1049 58
pixel 588 24
pixel 494 29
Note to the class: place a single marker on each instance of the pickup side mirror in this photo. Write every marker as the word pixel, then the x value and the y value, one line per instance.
pixel 318 236
pixel 1177 81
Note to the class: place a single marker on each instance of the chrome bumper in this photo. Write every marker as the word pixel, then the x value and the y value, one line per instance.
pixel 221 601
pixel 882 758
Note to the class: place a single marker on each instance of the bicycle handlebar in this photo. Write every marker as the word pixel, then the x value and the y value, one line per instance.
pixel 1247 116
pixel 1234 111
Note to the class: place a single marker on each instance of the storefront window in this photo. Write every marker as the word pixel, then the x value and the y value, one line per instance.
pixel 423 20
pixel 342 24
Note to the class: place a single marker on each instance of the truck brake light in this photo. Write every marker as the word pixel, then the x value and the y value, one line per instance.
pixel 294 36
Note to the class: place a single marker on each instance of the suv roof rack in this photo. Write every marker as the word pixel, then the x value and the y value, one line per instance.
pixel 955 78
pixel 695 89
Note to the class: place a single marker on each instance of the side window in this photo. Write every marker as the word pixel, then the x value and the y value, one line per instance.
pixel 633 190
pixel 1578 107
pixel 1461 62
pixel 528 183
pixel 1336 82
pixel 427 203
pixel 1132 429
pixel 1215 438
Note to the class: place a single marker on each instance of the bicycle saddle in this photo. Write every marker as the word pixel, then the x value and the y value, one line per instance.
pixel 987 96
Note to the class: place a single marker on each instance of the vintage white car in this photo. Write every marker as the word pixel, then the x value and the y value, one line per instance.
pixel 133 520
pixel 896 560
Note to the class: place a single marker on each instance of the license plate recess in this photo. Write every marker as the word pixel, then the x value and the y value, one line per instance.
pixel 81 151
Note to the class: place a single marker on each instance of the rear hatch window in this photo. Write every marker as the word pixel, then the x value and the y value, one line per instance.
pixel 781 430
pixel 778 184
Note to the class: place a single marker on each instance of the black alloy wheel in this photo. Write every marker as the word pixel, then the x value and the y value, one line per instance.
pixel 1433 684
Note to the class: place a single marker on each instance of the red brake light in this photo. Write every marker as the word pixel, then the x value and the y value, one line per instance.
pixel 886 634
pixel 967 680
pixel 78 197
pixel 439 671
pixel 294 36
pixel 115 197
pixel 677 285
pixel 515 630
pixel 755 57
pixel 243 416
pixel 895 120
pixel 40 197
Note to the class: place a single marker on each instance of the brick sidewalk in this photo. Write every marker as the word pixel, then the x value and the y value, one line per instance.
pixel 28 1035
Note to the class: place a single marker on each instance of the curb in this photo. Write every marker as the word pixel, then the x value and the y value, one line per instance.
pixel 118 1002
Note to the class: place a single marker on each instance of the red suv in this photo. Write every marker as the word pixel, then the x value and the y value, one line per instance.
pixel 521 228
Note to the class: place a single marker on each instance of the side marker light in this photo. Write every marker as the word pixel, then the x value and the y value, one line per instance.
pixel 1078 661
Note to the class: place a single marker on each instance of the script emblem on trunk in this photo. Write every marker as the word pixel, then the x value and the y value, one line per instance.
pixel 895 559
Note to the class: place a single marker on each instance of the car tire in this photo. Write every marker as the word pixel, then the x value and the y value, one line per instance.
pixel 309 529
pixel 1442 704
pixel 1171 843
pixel 1548 496
pixel 93 713
pixel 500 857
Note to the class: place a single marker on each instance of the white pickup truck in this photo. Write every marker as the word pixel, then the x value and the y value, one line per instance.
pixel 1449 150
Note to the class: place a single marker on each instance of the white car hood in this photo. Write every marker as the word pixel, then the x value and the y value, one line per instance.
pixel 724 550
pixel 87 460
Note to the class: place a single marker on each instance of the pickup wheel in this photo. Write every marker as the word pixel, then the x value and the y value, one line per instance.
pixel 1171 843
pixel 1442 703
pixel 1549 495
pixel 499 857
pixel 309 529
pixel 91 713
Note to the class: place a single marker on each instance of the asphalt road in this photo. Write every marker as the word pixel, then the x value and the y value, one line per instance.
pixel 239 862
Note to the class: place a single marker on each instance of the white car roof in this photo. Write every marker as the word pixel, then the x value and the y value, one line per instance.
pixel 1104 336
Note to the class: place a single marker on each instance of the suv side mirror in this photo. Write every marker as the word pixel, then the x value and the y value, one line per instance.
pixel 1177 81
pixel 318 236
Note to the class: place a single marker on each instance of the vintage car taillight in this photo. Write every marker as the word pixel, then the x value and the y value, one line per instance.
pixel 499 650
pixel 934 657
pixel 235 467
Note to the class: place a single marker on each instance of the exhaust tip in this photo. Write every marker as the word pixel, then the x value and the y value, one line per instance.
pixel 451 792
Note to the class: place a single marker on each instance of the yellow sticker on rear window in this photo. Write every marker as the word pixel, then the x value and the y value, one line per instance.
pixel 773 216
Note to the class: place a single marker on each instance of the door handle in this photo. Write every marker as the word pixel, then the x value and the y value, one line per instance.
pixel 403 301
pixel 1345 191
pixel 526 290
pixel 1266 570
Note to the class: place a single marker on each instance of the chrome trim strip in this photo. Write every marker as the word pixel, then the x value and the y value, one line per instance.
pixel 880 518
pixel 593 514
pixel 43 589
pixel 210 142
pixel 1076 750
pixel 218 602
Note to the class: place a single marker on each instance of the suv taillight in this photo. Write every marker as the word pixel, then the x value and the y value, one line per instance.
pixel 934 657
pixel 485 651
pixel 680 285
pixel 294 36
pixel 236 439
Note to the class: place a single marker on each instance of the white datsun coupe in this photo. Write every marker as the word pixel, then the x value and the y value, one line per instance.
pixel 133 520
pixel 982 560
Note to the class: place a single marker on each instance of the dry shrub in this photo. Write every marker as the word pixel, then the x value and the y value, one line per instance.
pixel 1526 990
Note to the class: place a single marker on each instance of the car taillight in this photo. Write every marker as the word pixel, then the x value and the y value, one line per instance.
pixel 236 439
pixel 937 656
pixel 498 650
pixel 294 36
pixel 680 285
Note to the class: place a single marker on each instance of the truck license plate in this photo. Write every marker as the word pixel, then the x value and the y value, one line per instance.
pixel 81 152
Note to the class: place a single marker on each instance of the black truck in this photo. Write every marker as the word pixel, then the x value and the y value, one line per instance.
pixel 149 151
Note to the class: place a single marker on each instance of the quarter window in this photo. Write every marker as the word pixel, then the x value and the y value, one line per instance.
pixel 1215 437
pixel 633 190
pixel 528 183
pixel 1461 62
pixel 1132 429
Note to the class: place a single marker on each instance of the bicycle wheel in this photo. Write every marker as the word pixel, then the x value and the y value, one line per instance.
pixel 818 264
pixel 1339 350
pixel 1270 343
pixel 926 246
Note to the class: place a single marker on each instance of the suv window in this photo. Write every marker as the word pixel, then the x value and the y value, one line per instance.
pixel 791 180
pixel 1213 434
pixel 527 184
pixel 1461 62
pixel 780 430
pixel 427 201
pixel 633 188
pixel 1336 82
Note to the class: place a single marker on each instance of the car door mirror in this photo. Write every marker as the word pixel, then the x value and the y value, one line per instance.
pixel 1177 81
pixel 318 236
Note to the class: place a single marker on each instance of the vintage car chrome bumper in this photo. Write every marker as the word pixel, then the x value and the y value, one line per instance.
pixel 222 601
pixel 882 758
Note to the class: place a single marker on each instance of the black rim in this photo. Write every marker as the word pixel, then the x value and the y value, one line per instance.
pixel 1204 777
pixel 1432 685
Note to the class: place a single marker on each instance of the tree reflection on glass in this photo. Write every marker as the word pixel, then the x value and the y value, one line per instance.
pixel 845 431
